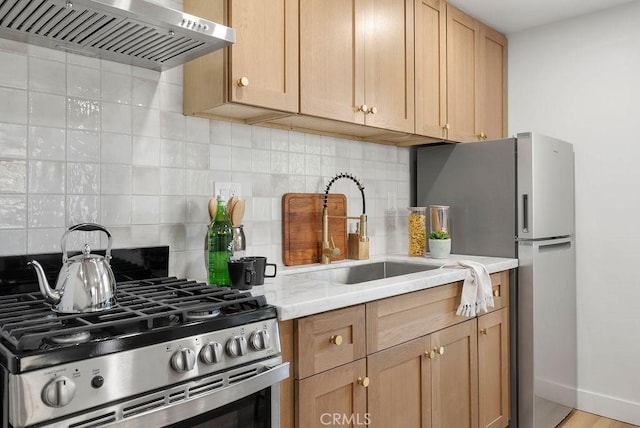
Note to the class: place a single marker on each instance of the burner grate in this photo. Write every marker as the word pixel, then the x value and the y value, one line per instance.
pixel 27 322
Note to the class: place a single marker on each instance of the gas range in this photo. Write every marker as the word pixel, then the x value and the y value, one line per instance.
pixel 170 344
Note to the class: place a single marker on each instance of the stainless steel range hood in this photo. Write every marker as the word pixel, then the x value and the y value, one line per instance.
pixel 129 31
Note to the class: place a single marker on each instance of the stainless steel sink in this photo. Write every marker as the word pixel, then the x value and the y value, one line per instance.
pixel 363 273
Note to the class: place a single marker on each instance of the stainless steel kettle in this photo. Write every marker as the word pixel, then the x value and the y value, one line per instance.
pixel 85 283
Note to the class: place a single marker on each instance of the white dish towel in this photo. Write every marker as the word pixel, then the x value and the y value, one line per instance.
pixel 477 295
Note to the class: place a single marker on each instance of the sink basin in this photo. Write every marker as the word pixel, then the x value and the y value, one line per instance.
pixel 363 273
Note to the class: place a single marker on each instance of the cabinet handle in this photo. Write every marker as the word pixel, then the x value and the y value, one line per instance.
pixel 484 331
pixel 446 126
pixel 364 381
pixel 430 354
pixel 372 110
pixel 336 340
pixel 363 108
pixel 243 81
pixel 439 350
pixel 496 293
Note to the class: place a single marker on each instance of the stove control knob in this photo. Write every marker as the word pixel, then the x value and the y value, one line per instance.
pixel 211 353
pixel 183 360
pixel 59 392
pixel 260 340
pixel 237 346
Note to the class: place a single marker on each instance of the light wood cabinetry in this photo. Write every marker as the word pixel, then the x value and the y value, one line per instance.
pixel 476 79
pixel 493 369
pixel 422 366
pixel 258 74
pixel 357 62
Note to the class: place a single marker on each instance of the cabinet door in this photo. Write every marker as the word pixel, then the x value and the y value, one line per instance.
pixel 331 59
pixel 430 76
pixel 492 102
pixel 493 369
pixel 389 64
pixel 463 40
pixel 454 376
pixel 333 398
pixel 399 389
pixel 265 53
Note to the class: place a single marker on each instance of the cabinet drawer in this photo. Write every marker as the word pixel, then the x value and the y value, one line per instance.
pixel 329 339
pixel 401 318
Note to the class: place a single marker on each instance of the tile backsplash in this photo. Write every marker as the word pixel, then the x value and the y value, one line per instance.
pixel 85 140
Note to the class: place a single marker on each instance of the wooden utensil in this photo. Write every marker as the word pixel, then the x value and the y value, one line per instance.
pixel 238 212
pixel 212 207
pixel 230 205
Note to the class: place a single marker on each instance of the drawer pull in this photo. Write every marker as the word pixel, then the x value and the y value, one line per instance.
pixel 336 340
pixel 439 350
pixel 484 331
pixel 364 381
pixel 496 293
pixel 243 82
pixel 430 354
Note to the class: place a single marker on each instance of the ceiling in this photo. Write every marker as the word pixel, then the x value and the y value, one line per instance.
pixel 510 16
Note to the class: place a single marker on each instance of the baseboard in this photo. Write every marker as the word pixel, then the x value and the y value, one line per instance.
pixel 610 407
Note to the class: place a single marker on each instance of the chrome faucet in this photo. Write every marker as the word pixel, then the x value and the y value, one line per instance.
pixel 329 249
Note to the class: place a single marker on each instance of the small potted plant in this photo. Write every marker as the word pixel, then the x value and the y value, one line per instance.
pixel 439 244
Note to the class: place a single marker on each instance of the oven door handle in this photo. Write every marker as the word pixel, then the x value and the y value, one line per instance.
pixel 182 411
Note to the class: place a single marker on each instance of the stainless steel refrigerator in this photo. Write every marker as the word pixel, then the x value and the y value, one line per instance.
pixel 515 198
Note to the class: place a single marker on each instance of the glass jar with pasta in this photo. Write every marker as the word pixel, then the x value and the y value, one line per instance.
pixel 417 226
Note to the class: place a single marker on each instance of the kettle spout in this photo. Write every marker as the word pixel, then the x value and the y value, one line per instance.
pixel 50 295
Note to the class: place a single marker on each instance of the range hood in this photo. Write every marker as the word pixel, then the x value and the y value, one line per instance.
pixel 133 32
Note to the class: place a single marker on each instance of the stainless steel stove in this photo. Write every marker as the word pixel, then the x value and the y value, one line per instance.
pixel 173 352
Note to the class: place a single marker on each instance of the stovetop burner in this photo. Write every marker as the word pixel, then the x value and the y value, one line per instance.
pixel 148 311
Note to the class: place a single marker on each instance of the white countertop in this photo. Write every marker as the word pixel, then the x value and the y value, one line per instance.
pixel 299 297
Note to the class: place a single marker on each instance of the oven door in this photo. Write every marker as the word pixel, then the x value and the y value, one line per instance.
pixel 243 397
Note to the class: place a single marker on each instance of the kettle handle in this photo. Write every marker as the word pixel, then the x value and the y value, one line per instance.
pixel 85 227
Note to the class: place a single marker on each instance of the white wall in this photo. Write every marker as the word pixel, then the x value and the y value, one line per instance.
pixel 579 80
pixel 89 140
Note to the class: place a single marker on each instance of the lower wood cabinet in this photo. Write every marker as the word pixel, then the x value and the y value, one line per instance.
pixel 337 397
pixel 452 373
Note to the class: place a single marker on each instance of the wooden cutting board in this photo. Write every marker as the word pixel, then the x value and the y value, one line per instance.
pixel 302 227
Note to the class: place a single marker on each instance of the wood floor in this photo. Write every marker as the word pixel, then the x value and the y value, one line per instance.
pixel 578 419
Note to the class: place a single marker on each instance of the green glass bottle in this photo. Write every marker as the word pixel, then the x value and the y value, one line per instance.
pixel 220 246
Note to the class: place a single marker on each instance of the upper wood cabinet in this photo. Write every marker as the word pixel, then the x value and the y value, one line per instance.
pixel 357 62
pixel 255 76
pixel 431 70
pixel 476 79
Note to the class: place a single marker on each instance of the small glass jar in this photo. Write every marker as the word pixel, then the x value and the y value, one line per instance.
pixel 417 227
pixel 239 242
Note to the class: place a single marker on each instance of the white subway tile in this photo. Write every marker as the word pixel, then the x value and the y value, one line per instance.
pixel 46 53
pixel 173 75
pixel 13 107
pixel 116 88
pixel 262 185
pixel 313 164
pixel 44 240
pixel 172 125
pixel 172 153
pixel 145 210
pixel 83 61
pixel 13 212
pixel 47 143
pixel 82 209
pixel 173 208
pixel 279 162
pixel 146 151
pixel 83 146
pixel 13 174
pixel 220 133
pixel 115 148
pixel 146 180
pixel 172 181
pixel 145 235
pixel 115 210
pixel 115 67
pixel 13 141
pixel 83 114
pixel 197 129
pixel 14 70
pixel 240 135
pixel 173 235
pixel 46 109
pixel 14 242
pixel 260 160
pixel 297 142
pixel 313 144
pixel 220 158
pixel 194 237
pixel 296 164
pixel 328 166
pixel 261 208
pixel 197 156
pixel 279 140
pixel 46 211
pixel 145 122
pixel 115 179
pixel 83 82
pixel 145 93
pixel 116 118
pixel 197 209
pixel 83 178
pixel 197 182
pixel 170 97
pixel 240 158
pixel 47 76
pixel 260 138
pixel 47 177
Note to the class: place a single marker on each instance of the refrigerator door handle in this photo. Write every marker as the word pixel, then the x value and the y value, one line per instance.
pixel 555 244
pixel 525 213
